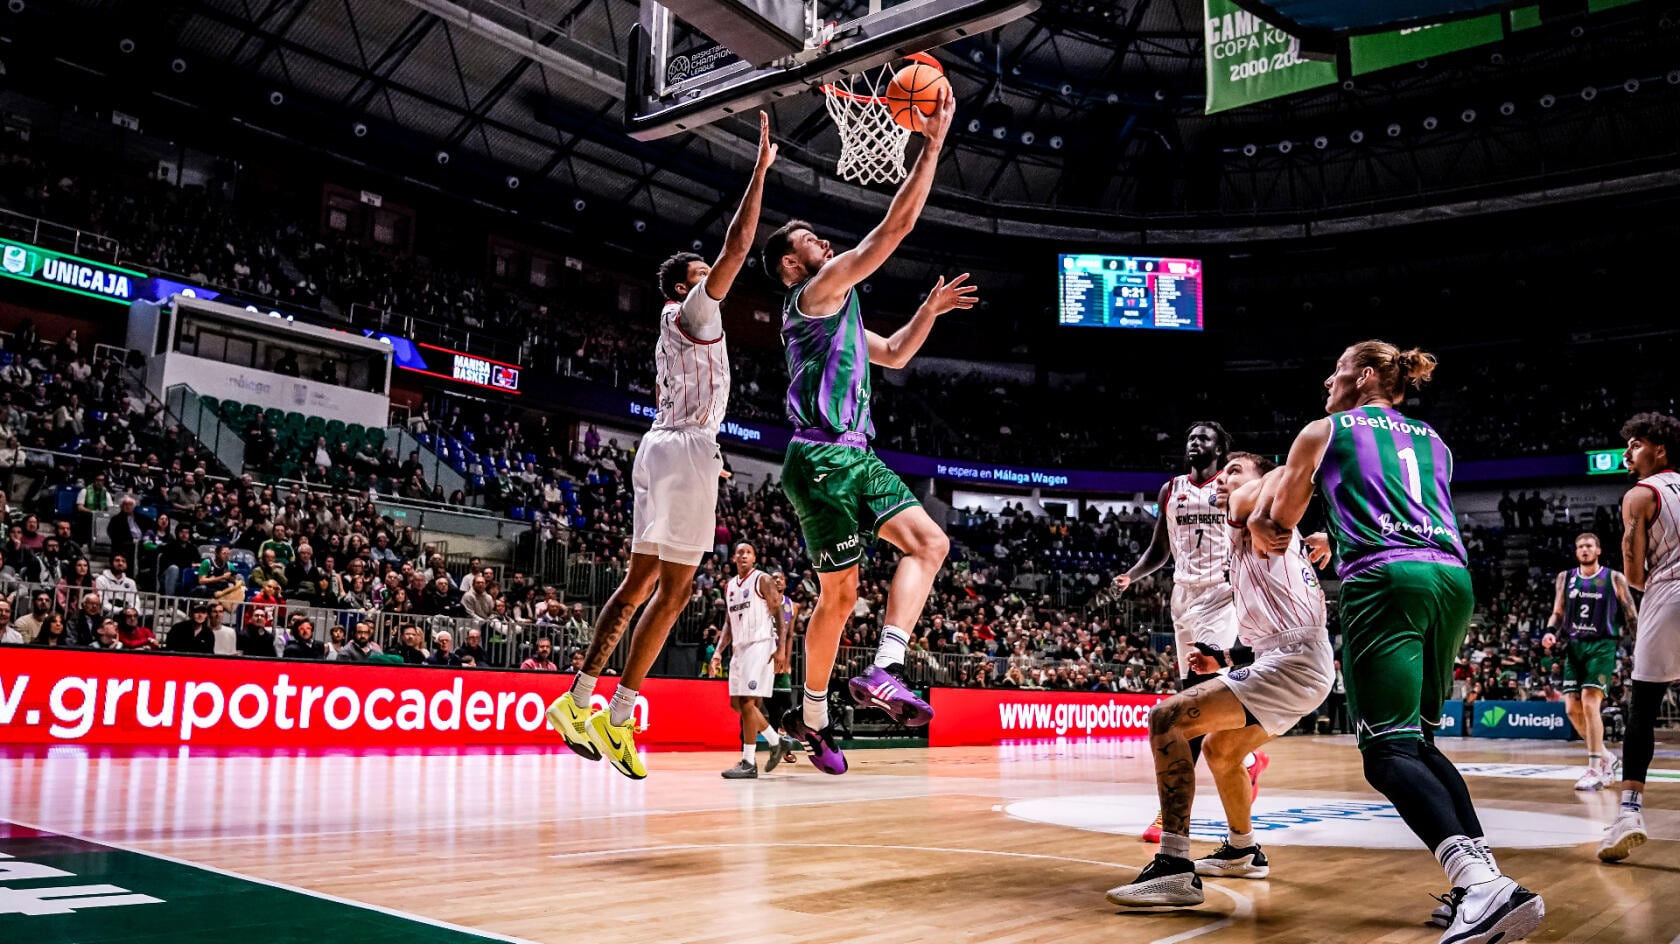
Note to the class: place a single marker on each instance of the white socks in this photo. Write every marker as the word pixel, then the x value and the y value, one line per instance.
pixel 771 737
pixel 891 651
pixel 582 687
pixel 1241 840
pixel 815 710
pixel 1465 861
pixel 623 704
pixel 1633 801
pixel 1175 845
pixel 749 753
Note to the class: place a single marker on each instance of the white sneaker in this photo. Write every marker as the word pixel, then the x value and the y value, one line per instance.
pixel 1443 913
pixel 1610 770
pixel 1623 836
pixel 1494 912
pixel 1591 779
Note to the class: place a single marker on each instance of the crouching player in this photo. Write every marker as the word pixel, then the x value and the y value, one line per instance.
pixel 1281 670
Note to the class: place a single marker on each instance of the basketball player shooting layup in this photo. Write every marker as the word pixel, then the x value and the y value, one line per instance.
pixel 1280 671
pixel 1190 530
pixel 675 480
pixel 1651 554
pixel 1591 601
pixel 1405 608
pixel 841 491
pixel 755 634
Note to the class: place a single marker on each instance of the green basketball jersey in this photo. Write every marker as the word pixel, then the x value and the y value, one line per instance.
pixel 828 367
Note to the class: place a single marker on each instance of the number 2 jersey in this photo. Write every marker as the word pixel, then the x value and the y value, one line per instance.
pixel 1591 608
pixel 1196 529
pixel 1386 481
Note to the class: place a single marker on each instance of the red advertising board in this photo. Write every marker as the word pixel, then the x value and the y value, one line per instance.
pixel 991 716
pixel 55 696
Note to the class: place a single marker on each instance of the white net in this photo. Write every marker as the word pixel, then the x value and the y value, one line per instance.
pixel 872 145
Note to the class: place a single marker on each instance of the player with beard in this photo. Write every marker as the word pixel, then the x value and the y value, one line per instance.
pixel 1190 531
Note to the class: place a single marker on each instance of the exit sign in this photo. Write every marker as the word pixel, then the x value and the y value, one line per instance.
pixel 1605 462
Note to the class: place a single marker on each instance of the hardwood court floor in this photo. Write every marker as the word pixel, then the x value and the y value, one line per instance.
pixel 1007 844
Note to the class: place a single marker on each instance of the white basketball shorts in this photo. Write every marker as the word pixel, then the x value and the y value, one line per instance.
pixel 1202 614
pixel 675 479
pixel 1282 685
pixel 1656 644
pixel 752 669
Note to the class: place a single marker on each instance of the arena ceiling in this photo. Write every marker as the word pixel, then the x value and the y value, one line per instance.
pixel 532 89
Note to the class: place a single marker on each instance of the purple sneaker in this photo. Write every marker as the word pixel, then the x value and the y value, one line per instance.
pixel 885 689
pixel 825 754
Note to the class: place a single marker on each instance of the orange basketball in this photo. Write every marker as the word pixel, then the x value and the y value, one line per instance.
pixel 913 92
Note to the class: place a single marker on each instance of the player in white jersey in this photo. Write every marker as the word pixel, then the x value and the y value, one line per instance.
pixel 675 480
pixel 1651 562
pixel 753 632
pixel 1281 670
pixel 1190 530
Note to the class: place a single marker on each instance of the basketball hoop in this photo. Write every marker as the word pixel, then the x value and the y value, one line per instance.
pixel 872 145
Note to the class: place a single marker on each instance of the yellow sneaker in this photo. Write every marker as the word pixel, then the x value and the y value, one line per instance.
pixel 572 723
pixel 617 742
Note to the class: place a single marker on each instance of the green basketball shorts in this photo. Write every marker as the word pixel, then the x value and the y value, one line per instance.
pixel 1588 663
pixel 1402 625
pixel 843 495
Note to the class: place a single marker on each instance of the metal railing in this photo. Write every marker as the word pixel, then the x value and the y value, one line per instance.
pixel 506 642
pixel 49 235
pixel 188 409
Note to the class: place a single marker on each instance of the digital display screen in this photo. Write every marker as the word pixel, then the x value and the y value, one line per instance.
pixel 449 364
pixel 1131 292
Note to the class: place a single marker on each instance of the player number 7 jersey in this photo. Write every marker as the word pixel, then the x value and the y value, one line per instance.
pixel 1201 542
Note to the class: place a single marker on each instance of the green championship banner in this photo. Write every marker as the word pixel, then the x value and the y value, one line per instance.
pixel 1596 6
pixel 1250 60
pixel 1525 18
pixel 1379 51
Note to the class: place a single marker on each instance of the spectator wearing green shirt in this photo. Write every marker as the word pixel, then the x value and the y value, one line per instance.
pixel 282 548
pixel 269 571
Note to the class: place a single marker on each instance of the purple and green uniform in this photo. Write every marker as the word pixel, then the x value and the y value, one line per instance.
pixel 1406 597
pixel 1592 614
pixel 840 489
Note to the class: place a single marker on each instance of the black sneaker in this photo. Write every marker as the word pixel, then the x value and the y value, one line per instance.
pixel 742 771
pixel 1231 862
pixel 1166 881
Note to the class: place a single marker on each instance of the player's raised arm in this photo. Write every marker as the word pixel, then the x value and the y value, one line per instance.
pixel 828 288
pixel 1285 500
pixel 738 241
pixel 897 350
pixel 1639 507
pixel 1160 546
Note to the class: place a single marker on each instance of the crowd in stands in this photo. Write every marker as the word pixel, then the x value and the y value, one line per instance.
pixel 1517 402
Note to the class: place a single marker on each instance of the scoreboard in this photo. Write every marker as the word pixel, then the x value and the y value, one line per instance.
pixel 1130 292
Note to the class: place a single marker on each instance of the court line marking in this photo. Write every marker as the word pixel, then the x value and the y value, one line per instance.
pixel 292 834
pixel 324 896
pixel 1242 907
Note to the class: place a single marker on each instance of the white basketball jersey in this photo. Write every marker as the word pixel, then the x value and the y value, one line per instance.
pixel 693 376
pixel 1274 594
pixel 749 614
pixel 1196 529
pixel 1662 539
